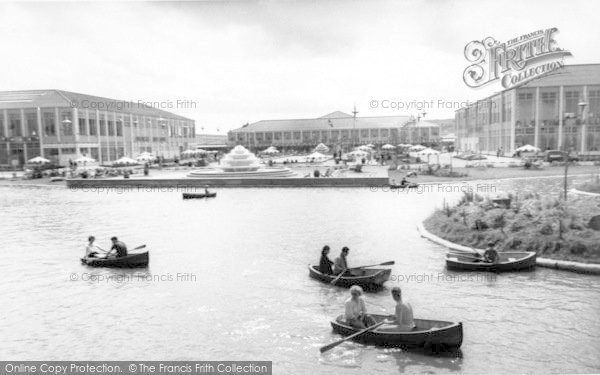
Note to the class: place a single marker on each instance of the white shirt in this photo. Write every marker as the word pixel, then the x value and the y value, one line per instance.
pixel 354 307
pixel 90 249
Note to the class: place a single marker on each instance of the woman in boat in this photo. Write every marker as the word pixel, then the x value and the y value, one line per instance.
pixel 325 263
pixel 490 255
pixel 402 320
pixel 340 263
pixel 355 310
pixel 91 250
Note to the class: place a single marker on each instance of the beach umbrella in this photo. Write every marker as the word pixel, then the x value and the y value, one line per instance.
pixel 388 147
pixel 188 152
pixel 364 148
pixel 321 148
pixel 145 157
pixel 370 145
pixel 417 148
pixel 125 161
pixel 358 153
pixel 38 160
pixel 528 148
pixel 270 150
pixel 428 151
pixel 84 159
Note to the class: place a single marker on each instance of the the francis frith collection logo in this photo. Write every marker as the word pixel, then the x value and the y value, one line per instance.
pixel 514 62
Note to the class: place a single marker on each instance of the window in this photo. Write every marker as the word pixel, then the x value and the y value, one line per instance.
pixel 93 127
pixel 111 128
pixel 82 126
pixel 14 124
pixel 102 125
pixel 31 122
pixel 119 129
pixel 66 123
pixel 48 123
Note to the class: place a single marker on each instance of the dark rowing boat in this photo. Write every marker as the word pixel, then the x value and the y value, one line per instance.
pixel 507 261
pixel 129 261
pixel 198 196
pixel 411 185
pixel 428 334
pixel 368 278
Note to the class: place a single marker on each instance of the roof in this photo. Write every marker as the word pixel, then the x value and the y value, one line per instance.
pixel 59 98
pixel 326 123
pixel 336 114
pixel 569 75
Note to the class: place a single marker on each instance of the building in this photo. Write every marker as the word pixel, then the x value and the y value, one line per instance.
pixel 61 126
pixel 337 130
pixel 559 111
pixel 210 142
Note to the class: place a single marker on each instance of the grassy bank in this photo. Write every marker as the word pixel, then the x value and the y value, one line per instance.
pixel 546 225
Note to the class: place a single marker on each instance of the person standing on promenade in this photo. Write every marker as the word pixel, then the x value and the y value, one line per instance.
pixel 340 264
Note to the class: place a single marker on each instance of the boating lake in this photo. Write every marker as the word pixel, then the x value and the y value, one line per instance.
pixel 228 280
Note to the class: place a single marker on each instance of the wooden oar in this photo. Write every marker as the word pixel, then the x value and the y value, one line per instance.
pixel 389 263
pixel 334 344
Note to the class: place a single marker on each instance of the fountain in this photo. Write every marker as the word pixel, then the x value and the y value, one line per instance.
pixel 241 163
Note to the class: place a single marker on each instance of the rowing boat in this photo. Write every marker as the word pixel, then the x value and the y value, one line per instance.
pixel 368 279
pixel 507 261
pixel 129 261
pixel 411 185
pixel 428 334
pixel 197 196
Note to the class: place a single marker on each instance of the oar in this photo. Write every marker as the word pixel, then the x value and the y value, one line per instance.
pixel 334 344
pixel 389 263
pixel 472 251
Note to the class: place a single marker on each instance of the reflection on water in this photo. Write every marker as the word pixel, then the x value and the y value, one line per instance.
pixel 228 280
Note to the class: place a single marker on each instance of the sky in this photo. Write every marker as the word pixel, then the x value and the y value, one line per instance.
pixel 225 64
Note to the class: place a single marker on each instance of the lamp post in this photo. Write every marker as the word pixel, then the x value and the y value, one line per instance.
pixel 582 106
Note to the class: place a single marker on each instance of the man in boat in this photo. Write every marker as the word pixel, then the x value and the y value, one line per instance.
pixel 119 247
pixel 402 320
pixel 404 182
pixel 91 250
pixel 340 264
pixel 490 255
pixel 355 310
pixel 206 190
pixel 325 263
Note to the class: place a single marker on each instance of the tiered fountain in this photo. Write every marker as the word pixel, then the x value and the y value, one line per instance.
pixel 241 163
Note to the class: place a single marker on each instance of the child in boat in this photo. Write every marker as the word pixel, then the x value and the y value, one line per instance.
pixel 355 310
pixel 91 249
pixel 490 255
pixel 402 320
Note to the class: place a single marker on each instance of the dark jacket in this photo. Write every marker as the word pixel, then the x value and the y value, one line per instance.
pixel 325 265
pixel 121 249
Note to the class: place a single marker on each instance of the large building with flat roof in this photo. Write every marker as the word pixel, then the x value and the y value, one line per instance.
pixel 60 126
pixel 558 111
pixel 337 130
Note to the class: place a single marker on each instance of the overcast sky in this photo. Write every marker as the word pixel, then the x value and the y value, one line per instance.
pixel 241 62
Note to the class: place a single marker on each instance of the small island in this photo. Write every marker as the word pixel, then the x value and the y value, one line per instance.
pixel 525 221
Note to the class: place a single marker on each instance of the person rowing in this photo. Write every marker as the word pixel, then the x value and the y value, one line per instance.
pixel 91 250
pixel 119 247
pixel 355 310
pixel 325 263
pixel 206 190
pixel 402 320
pixel 340 264
pixel 490 255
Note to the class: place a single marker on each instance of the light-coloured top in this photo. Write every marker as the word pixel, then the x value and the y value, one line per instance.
pixel 90 249
pixel 404 316
pixel 339 265
pixel 354 308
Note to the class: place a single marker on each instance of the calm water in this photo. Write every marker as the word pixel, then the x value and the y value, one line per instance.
pixel 244 292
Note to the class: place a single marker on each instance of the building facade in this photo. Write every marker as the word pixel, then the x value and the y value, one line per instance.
pixel 337 130
pixel 211 142
pixel 61 126
pixel 559 111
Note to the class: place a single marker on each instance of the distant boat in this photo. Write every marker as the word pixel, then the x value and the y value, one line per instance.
pixel 410 185
pixel 428 334
pixel 198 196
pixel 507 261
pixel 368 279
pixel 129 261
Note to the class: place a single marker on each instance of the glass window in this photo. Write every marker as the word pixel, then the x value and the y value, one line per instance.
pixel 2 127
pixel 102 126
pixel 111 128
pixel 82 126
pixel 31 123
pixel 119 128
pixel 48 123
pixel 14 124
pixel 66 123
pixel 93 127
